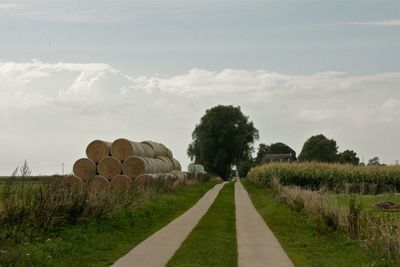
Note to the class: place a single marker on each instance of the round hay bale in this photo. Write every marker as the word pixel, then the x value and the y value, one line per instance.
pixel 134 166
pixel 149 150
pixel 158 148
pixel 176 164
pixel 109 167
pixel 180 180
pixel 73 182
pixel 97 150
pixel 121 182
pixel 123 148
pixel 169 153
pixel 98 183
pixel 84 168
pixel 146 180
pixel 165 163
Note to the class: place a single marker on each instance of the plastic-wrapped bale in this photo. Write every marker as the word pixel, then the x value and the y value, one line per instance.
pixel 134 166
pixel 98 183
pixel 97 150
pixel 123 148
pixel 84 168
pixel 159 149
pixel 73 182
pixel 145 181
pixel 121 182
pixel 109 167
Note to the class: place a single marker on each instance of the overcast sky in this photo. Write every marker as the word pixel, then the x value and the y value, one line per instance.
pixel 74 71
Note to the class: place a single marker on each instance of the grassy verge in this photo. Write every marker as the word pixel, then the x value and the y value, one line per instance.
pixel 301 240
pixel 213 241
pixel 369 202
pixel 100 243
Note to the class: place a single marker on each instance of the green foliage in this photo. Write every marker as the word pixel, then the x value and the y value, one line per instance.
pixel 348 156
pixel 223 138
pixel 244 167
pixel 213 241
pixel 275 148
pixel 315 175
pixel 319 148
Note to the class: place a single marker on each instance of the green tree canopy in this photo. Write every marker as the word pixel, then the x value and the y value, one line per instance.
pixel 274 148
pixel 348 156
pixel 224 137
pixel 319 148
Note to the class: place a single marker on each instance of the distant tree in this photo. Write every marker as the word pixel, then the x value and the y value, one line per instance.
pixel 319 148
pixel 348 156
pixel 224 137
pixel 244 167
pixel 275 148
pixel 262 150
pixel 374 161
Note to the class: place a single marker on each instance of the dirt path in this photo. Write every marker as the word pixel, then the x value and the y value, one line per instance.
pixel 257 245
pixel 160 247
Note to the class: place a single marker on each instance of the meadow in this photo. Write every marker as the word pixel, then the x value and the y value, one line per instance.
pixel 50 223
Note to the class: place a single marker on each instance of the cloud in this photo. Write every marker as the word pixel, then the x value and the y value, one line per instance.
pixel 8 6
pixel 390 22
pixel 57 108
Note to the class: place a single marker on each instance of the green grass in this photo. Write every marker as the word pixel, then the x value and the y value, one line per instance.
pixel 368 203
pixel 100 243
pixel 213 241
pixel 300 239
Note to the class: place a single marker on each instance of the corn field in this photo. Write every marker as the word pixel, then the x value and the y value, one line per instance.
pixel 333 176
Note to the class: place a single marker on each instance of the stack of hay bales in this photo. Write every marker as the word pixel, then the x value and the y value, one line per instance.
pixel 124 163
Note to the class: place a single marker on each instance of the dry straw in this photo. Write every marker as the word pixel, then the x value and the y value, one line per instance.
pixel 123 148
pixel 145 181
pixel 98 183
pixel 121 182
pixel 109 167
pixel 97 150
pixel 84 168
pixel 73 181
pixel 159 149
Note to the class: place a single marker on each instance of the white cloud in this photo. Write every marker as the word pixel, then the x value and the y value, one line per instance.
pixel 390 22
pixel 79 102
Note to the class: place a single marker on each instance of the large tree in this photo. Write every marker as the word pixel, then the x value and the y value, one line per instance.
pixel 319 148
pixel 224 137
pixel 348 156
pixel 275 148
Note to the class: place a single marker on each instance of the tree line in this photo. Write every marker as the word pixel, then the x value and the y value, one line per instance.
pixel 224 137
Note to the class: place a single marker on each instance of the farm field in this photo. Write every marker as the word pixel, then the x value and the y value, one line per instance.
pixel 100 242
pixel 300 238
pixel 357 202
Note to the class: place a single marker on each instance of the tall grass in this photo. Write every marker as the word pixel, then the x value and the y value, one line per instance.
pixel 380 234
pixel 333 176
pixel 55 202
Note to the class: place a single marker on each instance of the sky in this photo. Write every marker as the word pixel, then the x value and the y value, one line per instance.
pixel 75 71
